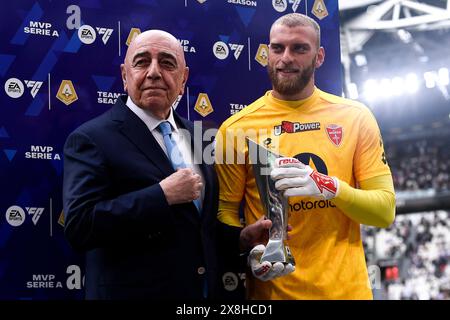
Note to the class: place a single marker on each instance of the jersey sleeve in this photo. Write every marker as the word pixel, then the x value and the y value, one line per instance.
pixel 369 159
pixel 373 204
pixel 231 174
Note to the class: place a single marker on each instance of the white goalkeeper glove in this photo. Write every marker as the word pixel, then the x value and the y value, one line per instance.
pixel 265 270
pixel 297 179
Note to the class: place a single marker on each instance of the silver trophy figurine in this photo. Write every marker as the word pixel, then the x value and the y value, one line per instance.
pixel 274 204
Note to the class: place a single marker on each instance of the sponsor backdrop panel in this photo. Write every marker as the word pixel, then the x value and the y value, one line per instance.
pixel 59 66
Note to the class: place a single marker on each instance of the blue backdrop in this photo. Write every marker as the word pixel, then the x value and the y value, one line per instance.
pixel 59 66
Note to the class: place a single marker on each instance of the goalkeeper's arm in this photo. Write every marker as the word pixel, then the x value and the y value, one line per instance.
pixel 373 204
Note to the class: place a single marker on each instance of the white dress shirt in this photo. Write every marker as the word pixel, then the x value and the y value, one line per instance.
pixel 183 142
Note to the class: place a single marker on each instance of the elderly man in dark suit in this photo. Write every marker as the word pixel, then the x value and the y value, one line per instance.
pixel 134 201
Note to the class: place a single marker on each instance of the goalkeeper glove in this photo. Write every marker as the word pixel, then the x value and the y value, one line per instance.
pixel 265 270
pixel 297 179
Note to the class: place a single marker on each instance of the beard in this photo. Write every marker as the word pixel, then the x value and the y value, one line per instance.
pixel 295 85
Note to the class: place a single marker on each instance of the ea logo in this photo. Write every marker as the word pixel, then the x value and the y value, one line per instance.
pixel 14 88
pixel 86 34
pixel 15 216
pixel 220 50
pixel 230 281
pixel 279 5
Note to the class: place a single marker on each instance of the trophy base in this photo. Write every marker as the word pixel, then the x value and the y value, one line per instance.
pixel 277 251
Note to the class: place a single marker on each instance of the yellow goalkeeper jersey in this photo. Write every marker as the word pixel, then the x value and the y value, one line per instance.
pixel 335 136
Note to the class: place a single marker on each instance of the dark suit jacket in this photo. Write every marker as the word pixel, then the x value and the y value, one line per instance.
pixel 137 246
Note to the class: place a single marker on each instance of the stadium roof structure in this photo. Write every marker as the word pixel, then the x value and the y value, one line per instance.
pixel 392 15
pixel 398 45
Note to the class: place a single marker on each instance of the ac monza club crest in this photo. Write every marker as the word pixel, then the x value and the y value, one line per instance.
pixel 335 134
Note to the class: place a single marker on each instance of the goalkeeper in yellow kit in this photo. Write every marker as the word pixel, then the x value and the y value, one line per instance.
pixel 342 178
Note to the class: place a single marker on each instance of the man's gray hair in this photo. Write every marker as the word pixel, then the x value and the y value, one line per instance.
pixel 297 19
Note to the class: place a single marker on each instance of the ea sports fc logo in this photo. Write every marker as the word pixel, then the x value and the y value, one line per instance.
pixel 15 216
pixel 86 34
pixel 14 88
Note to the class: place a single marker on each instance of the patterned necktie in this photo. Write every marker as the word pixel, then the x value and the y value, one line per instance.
pixel 173 152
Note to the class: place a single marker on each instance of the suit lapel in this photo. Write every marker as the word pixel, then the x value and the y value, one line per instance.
pixel 137 132
pixel 198 149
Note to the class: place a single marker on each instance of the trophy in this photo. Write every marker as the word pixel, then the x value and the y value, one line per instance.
pixel 274 204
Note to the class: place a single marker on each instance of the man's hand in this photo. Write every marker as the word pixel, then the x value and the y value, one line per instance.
pixel 254 234
pixel 297 179
pixel 266 271
pixel 182 186
pixel 257 233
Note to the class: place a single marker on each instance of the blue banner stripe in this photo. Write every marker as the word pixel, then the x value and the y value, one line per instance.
pixel 10 153
pixel 103 83
pixel 3 133
pixel 74 43
pixel 35 14
pixel 5 62
pixel 246 14
pixel 35 108
pixel 51 58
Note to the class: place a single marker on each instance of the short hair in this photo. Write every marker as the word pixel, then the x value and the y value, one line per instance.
pixel 297 19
